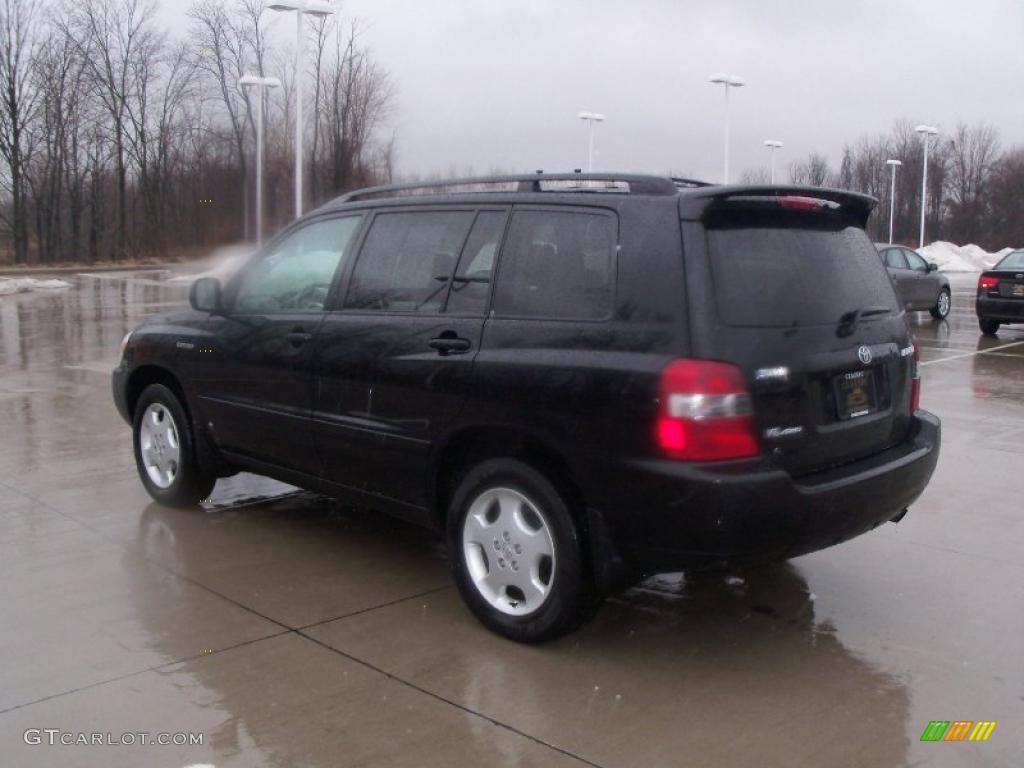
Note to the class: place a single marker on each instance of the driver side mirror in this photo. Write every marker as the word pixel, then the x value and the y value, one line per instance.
pixel 205 295
pixel 932 266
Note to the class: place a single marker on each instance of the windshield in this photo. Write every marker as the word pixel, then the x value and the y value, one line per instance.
pixel 782 270
pixel 1014 260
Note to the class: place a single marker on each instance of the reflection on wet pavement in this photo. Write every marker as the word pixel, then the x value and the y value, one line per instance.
pixel 291 631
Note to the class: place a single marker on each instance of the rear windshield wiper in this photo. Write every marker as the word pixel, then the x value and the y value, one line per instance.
pixel 848 321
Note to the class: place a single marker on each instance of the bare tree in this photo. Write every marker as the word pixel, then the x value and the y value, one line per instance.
pixel 813 171
pixel 111 35
pixel 18 46
pixel 973 154
pixel 225 51
pixel 756 176
pixel 119 140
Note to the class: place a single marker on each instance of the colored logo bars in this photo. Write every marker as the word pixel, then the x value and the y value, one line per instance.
pixel 958 730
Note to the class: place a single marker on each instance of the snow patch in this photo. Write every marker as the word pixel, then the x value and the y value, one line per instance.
pixel 12 285
pixel 961 258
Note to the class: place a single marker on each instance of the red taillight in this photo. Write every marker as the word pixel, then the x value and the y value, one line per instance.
pixel 800 203
pixel 987 283
pixel 705 412
pixel 915 381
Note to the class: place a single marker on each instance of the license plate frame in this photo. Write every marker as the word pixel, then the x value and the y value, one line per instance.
pixel 856 393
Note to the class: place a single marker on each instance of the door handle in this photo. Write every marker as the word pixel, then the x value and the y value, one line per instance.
pixel 450 345
pixel 298 337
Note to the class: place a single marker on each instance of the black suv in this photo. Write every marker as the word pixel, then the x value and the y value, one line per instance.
pixel 579 379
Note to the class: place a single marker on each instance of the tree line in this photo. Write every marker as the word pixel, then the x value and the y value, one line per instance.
pixel 975 187
pixel 119 139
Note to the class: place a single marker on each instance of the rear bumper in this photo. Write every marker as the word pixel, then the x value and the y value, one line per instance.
pixel 674 515
pixel 1002 310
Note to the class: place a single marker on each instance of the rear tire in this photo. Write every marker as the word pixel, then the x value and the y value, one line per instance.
pixel 165 454
pixel 517 553
pixel 988 327
pixel 942 305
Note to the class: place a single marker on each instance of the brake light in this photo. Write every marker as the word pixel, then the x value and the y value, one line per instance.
pixel 915 380
pixel 705 413
pixel 987 283
pixel 800 203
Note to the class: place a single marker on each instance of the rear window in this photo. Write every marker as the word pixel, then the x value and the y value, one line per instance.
pixel 785 270
pixel 1013 260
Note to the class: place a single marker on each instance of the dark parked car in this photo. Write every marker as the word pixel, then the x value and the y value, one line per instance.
pixel 1001 294
pixel 918 282
pixel 579 379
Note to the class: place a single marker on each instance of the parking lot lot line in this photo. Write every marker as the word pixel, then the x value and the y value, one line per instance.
pixel 137 672
pixel 451 702
pixel 975 352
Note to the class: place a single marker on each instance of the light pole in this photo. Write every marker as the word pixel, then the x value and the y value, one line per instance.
pixel 926 131
pixel 301 8
pixel 772 145
pixel 894 164
pixel 728 81
pixel 590 118
pixel 260 84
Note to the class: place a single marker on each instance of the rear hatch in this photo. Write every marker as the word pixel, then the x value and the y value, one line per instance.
pixel 803 305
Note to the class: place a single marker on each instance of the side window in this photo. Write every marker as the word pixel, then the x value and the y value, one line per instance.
pixel 407 260
pixel 472 282
pixel 894 259
pixel 296 275
pixel 916 262
pixel 557 265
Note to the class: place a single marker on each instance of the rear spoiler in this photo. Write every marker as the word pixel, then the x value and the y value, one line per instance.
pixel 694 204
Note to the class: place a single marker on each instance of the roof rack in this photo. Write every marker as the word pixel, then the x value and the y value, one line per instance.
pixel 620 183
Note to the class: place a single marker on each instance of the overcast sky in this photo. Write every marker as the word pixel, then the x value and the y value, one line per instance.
pixel 498 83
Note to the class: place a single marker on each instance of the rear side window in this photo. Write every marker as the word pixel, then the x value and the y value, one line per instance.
pixel 407 260
pixel 788 270
pixel 894 259
pixel 557 264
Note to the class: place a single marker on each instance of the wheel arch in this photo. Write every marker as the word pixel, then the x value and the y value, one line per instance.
pixel 471 445
pixel 148 374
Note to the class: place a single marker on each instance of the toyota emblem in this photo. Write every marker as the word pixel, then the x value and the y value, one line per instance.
pixel 864 353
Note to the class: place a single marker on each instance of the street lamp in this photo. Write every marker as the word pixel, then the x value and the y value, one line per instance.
pixel 926 131
pixel 301 8
pixel 260 84
pixel 772 145
pixel 727 81
pixel 590 118
pixel 894 164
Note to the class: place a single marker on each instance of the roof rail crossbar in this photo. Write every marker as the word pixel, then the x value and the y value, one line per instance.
pixel 535 182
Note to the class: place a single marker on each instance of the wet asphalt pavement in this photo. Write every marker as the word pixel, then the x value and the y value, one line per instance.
pixel 290 632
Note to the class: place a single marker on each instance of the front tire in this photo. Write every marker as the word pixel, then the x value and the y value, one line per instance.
pixel 988 327
pixel 517 553
pixel 165 454
pixel 942 305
